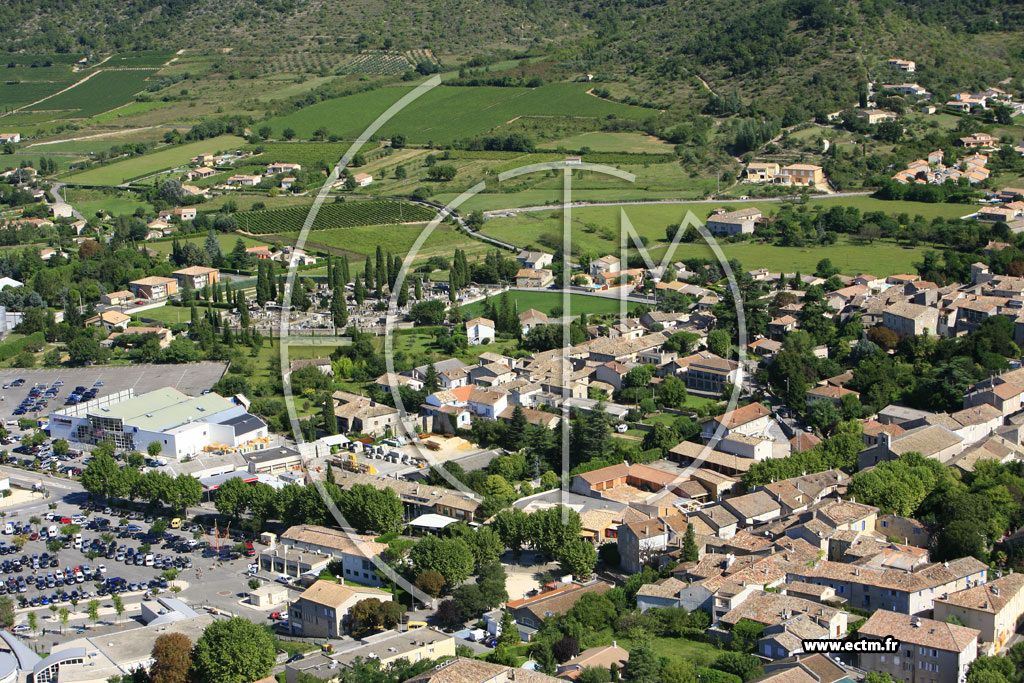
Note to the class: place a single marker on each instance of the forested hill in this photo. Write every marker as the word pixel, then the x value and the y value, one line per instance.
pixel 776 53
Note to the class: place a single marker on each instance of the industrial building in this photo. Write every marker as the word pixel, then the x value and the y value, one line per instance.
pixel 184 426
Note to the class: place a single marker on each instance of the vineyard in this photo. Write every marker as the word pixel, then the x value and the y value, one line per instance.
pixel 417 56
pixel 311 155
pixel 104 91
pixel 135 60
pixel 336 215
pixel 384 63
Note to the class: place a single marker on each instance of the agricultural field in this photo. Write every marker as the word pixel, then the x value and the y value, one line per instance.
pixel 382 63
pixel 137 60
pixel 64 161
pixel 446 114
pixel 227 242
pixel 634 143
pixel 89 201
pixel 102 92
pixel 334 215
pixel 308 154
pixel 99 143
pixel 398 239
pixel 596 231
pixel 552 303
pixel 128 110
pixel 137 167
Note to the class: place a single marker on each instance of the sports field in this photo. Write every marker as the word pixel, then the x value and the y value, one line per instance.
pixel 552 302
pixel 447 113
pixel 171 157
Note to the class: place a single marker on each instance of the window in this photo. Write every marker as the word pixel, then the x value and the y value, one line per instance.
pixel 885 524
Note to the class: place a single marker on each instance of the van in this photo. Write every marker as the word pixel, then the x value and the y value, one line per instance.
pixel 176 523
pixel 52 531
pixel 8 528
pixel 149 559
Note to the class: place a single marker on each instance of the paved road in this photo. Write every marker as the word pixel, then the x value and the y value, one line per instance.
pixel 641 202
pixel 55 193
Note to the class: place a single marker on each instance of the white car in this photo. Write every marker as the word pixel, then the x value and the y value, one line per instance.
pixel 253 568
pixel 102 569
pixel 622 428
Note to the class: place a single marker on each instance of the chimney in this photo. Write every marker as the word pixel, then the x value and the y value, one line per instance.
pixel 995 591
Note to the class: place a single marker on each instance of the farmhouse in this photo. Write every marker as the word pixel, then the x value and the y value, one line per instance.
pixel 9 138
pixel 362 179
pixel 533 278
pixel 802 174
pixel 275 168
pixel 734 222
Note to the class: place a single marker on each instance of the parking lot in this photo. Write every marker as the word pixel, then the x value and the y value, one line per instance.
pixel 203 577
pixel 191 379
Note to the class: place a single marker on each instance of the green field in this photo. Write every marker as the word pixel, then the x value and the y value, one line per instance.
pixel 446 114
pixel 171 157
pixel 334 215
pixel 8 161
pixel 634 143
pixel 546 302
pixel 596 231
pixel 88 202
pixel 106 90
pixel 226 240
pixel 398 239
pixel 308 154
pixel 135 60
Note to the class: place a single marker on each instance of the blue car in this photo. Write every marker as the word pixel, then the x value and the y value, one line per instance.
pixel 98 384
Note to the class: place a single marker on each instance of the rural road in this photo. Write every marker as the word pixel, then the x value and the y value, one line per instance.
pixel 641 202
pixel 57 199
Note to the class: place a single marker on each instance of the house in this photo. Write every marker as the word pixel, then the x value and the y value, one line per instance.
pixel 909 592
pixel 201 173
pixel 417 498
pixel 749 420
pixel 740 222
pixel 599 657
pixel 109 320
pixel 279 167
pixel 9 138
pixel 387 648
pixel 928 650
pixel 762 171
pixel 910 319
pixel 244 180
pixel 776 608
pixel 874 116
pixel 479 331
pixel 753 508
pixel 322 611
pixel 463 670
pixel 904 529
pixel 362 179
pixel 260 252
pixel 531 611
pixel 638 542
pixel 202 160
pixel 979 140
pixel 359 414
pixel 197 276
pixel 802 174
pixel 829 393
pixel 533 278
pixel 707 373
pixel 907 89
pixel 606 265
pixel 303 548
pixel 903 65
pixel 993 608
pixel 154 288
pixel 781 326
pixel 531 318
pixel 118 298
pixel 534 259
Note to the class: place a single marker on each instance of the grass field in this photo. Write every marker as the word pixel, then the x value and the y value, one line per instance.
pixel 446 114
pixel 104 91
pixel 14 160
pixel 122 171
pixel 226 240
pixel 90 201
pixel 546 302
pixel 612 142
pixel 596 231
pixel 99 144
pixel 418 347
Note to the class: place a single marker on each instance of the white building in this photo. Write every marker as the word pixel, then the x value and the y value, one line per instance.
pixel 182 425
pixel 478 330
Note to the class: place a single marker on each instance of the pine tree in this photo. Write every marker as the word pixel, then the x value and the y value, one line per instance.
pixel 430 379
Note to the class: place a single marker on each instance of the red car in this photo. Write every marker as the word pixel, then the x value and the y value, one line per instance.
pixel 275 616
pixel 250 551
pixel 65 520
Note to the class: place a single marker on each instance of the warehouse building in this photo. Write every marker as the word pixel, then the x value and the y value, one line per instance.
pixel 184 426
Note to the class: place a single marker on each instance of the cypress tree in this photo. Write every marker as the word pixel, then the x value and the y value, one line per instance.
pixel 417 289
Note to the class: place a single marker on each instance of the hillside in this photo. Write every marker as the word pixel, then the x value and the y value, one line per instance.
pixel 767 55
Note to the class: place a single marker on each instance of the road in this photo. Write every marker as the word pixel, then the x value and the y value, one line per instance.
pixel 57 199
pixel 641 202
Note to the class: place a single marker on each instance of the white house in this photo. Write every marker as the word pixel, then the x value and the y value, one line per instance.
pixel 478 330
